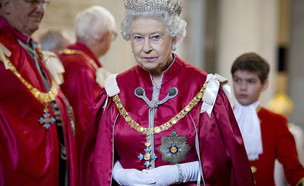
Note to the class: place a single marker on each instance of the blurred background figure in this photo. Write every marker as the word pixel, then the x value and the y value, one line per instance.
pixel 84 75
pixel 54 41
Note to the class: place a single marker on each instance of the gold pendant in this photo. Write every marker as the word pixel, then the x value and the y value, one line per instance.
pixel 46 120
pixel 148 157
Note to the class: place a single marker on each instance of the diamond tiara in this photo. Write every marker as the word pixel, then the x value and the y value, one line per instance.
pixel 173 7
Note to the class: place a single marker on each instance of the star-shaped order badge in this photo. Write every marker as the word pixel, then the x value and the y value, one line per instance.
pixel 174 148
pixel 147 156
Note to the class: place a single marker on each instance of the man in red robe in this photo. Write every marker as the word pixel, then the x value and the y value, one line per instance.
pixel 84 75
pixel 36 123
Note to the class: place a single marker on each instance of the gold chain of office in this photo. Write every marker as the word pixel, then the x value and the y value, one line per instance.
pixel 72 51
pixel 149 131
pixel 44 97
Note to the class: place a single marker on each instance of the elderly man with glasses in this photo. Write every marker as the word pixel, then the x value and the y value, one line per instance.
pixel 36 120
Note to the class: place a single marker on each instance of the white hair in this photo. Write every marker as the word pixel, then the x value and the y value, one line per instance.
pixel 175 26
pixel 94 22
pixel 52 39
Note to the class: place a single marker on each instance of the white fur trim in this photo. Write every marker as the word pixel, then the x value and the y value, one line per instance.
pixel 111 85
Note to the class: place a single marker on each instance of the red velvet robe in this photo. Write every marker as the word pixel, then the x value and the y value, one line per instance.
pixel 80 86
pixel 222 152
pixel 29 153
pixel 278 143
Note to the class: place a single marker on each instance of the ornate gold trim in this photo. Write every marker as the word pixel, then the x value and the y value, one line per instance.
pixel 44 97
pixel 71 51
pixel 149 131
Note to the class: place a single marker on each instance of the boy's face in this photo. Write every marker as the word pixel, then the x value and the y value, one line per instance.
pixel 247 86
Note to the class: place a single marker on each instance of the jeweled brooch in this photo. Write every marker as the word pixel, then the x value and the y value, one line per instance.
pixel 173 148
pixel 47 119
pixel 148 157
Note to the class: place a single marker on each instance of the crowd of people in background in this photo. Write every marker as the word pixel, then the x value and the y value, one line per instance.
pixel 65 120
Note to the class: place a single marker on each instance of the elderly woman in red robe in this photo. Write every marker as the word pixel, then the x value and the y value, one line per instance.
pixel 164 121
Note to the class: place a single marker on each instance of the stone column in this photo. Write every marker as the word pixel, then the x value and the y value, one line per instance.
pixel 192 48
pixel 248 26
pixel 296 62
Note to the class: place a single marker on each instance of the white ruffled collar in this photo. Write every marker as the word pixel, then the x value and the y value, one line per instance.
pixel 250 128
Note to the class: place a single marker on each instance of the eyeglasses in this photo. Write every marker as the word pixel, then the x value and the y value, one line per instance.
pixel 35 3
pixel 114 35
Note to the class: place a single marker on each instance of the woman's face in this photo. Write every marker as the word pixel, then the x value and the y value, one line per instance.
pixel 151 44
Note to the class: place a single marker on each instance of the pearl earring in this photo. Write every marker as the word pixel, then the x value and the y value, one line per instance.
pixel 132 50
pixel 173 47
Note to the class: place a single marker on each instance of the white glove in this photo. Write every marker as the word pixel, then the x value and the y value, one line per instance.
pixel 170 174
pixel 164 175
pixel 132 177
pixel 190 171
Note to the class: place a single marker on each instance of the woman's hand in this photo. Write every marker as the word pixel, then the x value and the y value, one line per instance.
pixel 172 174
pixel 164 175
pixel 132 177
pixel 160 176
